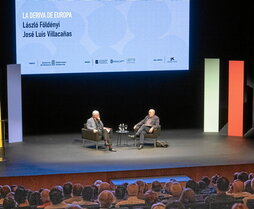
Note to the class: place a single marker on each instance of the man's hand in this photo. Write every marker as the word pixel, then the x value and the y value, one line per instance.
pixel 151 130
pixel 95 131
pixel 135 127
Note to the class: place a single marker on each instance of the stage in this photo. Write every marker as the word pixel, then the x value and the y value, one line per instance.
pixel 64 154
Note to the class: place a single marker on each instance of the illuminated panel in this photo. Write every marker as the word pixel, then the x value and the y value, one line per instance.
pixel 235 98
pixel 211 95
pixel 1 137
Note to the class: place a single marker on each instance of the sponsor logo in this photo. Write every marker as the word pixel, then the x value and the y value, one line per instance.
pixel 130 60
pixel 99 62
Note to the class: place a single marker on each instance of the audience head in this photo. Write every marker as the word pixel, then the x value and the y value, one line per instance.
pixel 193 185
pixel 252 184
pixel 67 188
pixel 243 176
pixel 222 184
pixel 141 187
pixel 236 175
pixel 106 198
pixel 132 189
pixel 87 193
pixel 120 192
pixel 97 183
pixel 104 186
pixel 250 176
pixel 21 195
pixel 5 190
pixel 77 189
pixel 95 192
pixel 214 179
pixel 237 186
pixel 206 179
pixel 187 196
pixel 56 195
pixel 167 186
pixel 175 205
pixel 14 187
pixel 202 185
pixel 45 195
pixel 35 198
pixel 9 202
pixel 156 186
pixel 176 189
pixel 247 186
pixel 150 197
pixel 158 206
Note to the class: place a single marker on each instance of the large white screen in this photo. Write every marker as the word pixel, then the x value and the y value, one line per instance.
pixel 75 36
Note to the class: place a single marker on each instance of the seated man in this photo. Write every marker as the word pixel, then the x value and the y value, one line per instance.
pixel 147 125
pixel 94 123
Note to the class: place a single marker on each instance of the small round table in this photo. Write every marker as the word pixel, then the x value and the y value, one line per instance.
pixel 119 137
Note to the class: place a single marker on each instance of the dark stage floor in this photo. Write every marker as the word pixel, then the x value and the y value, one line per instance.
pixel 54 154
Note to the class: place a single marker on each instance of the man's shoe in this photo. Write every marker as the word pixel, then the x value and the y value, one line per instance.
pixel 132 136
pixel 140 147
pixel 112 150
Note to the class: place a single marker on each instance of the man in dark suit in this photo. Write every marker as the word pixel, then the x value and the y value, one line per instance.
pixel 147 125
pixel 94 123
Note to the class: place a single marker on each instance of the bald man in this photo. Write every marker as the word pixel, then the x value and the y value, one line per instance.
pixel 147 125
pixel 94 123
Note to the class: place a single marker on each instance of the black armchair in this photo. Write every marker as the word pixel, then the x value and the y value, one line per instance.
pixel 154 135
pixel 89 135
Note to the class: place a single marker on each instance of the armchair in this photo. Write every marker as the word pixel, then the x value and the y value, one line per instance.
pixel 154 135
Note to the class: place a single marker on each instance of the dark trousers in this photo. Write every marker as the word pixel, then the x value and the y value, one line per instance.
pixel 106 136
pixel 141 133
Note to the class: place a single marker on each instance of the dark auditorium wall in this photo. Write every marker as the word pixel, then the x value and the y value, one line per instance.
pixel 62 103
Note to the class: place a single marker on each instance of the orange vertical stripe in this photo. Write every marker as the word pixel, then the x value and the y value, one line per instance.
pixel 235 98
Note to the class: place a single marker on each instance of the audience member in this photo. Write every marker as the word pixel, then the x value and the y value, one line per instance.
pixel 192 185
pixel 151 198
pixel 87 197
pixel 76 194
pixel 250 176
pixel 236 189
pixel 104 186
pixel 176 189
pixel 187 196
pixel 250 197
pixel 44 198
pixel 21 195
pixel 35 199
pixel 142 188
pixel 222 188
pixel 67 190
pixel 120 193
pixel 14 187
pixel 106 199
pixel 4 190
pixel 95 192
pixel 132 190
pixel 56 198
pixel 243 176
pixel 9 202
